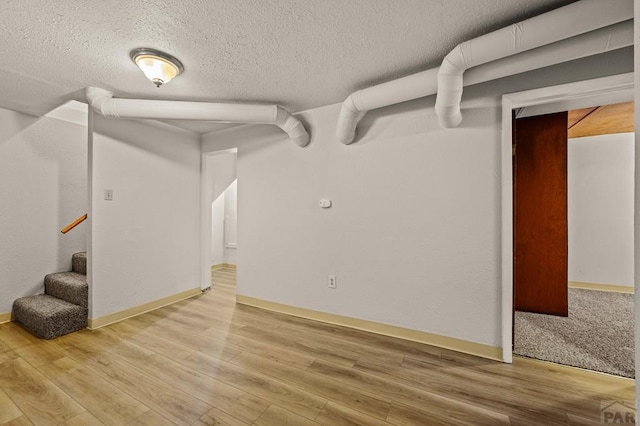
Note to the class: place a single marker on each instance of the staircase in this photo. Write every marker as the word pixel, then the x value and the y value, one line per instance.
pixel 62 309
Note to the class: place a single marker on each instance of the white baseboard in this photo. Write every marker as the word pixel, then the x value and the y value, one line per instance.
pixel 94 323
pixel 478 349
pixel 601 287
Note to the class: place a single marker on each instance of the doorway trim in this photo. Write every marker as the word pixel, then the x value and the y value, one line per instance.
pixel 581 94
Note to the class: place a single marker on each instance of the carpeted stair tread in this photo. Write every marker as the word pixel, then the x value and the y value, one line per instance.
pixel 68 286
pixel 79 263
pixel 49 317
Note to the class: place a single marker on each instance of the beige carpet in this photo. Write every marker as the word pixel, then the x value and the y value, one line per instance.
pixel 597 334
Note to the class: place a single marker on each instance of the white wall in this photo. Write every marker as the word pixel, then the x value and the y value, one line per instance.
pixel 223 167
pixel 43 174
pixel 601 174
pixel 411 235
pixel 414 232
pixel 231 223
pixel 224 226
pixel 146 242
pixel 221 170
pixel 217 231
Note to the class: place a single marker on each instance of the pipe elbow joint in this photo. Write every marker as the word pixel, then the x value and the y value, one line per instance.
pixel 348 120
pixel 292 126
pixel 449 117
pixel 99 99
pixel 346 127
pixel 299 135
pixel 448 99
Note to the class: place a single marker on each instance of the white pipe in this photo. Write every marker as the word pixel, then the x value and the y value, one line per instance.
pixel 592 43
pixel 392 92
pixel 102 101
pixel 559 24
pixel 425 83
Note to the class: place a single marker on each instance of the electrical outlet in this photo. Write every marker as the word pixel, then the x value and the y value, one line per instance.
pixel 331 282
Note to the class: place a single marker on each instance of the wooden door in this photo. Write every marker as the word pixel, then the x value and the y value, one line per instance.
pixel 540 214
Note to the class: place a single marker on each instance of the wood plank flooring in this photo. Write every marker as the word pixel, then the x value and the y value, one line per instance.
pixel 208 361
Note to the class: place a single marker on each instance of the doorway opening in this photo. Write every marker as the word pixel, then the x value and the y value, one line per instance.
pixel 224 234
pixel 573 237
pixel 220 219
pixel 585 94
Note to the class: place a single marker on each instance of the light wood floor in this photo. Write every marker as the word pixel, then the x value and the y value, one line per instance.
pixel 208 361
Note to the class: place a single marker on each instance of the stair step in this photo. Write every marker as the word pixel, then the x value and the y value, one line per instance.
pixel 79 263
pixel 49 317
pixel 68 286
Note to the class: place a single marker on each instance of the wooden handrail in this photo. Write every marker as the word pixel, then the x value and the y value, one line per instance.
pixel 75 223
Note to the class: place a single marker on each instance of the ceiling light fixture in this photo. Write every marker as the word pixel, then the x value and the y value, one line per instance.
pixel 159 67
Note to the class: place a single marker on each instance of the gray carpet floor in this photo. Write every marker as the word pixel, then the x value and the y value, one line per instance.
pixel 597 334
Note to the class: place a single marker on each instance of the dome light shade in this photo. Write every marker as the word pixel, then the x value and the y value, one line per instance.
pixel 159 67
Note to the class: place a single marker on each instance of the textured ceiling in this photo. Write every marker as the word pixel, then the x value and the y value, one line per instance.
pixel 298 53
